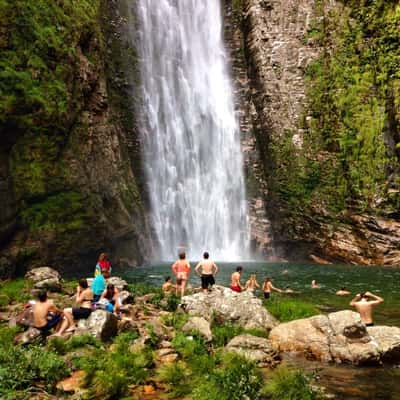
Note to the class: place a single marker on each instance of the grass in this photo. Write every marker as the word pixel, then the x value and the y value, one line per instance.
pixel 290 384
pixel 15 291
pixel 289 309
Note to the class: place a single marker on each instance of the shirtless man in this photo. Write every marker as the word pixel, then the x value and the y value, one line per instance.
pixel 364 306
pixel 268 287
pixel 168 287
pixel 235 280
pixel 208 271
pixel 343 292
pixel 181 270
pixel 45 314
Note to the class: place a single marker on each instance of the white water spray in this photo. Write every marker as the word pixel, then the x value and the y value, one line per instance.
pixel 191 137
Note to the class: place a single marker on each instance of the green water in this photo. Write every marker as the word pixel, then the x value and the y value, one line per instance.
pixel 344 382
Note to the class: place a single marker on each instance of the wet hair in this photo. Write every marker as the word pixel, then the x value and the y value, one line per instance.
pixel 110 288
pixel 167 278
pixel 363 296
pixel 343 288
pixel 83 283
pixel 182 255
pixel 206 255
pixel 239 269
pixel 267 279
pixel 42 296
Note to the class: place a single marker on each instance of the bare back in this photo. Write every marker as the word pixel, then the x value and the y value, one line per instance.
pixel 206 267
pixel 40 312
pixel 364 308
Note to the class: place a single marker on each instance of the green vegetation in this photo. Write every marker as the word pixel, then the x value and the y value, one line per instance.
pixel 20 367
pixel 351 138
pixel 15 291
pixel 289 309
pixel 290 384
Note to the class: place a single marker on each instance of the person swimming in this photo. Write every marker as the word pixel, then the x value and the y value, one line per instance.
pixel 235 280
pixel 268 287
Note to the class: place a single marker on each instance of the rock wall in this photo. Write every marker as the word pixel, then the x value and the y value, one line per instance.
pixel 283 39
pixel 72 186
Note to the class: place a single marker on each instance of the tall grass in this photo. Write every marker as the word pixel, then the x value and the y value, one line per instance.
pixel 290 384
pixel 289 309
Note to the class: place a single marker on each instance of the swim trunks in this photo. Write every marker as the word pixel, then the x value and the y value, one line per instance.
pixel 81 312
pixel 267 295
pixel 236 288
pixel 207 280
pixel 52 320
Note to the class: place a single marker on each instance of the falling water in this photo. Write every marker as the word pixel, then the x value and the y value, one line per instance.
pixel 191 136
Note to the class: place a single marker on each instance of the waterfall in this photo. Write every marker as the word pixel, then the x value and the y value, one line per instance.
pixel 191 137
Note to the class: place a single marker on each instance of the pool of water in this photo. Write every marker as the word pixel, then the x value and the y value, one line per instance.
pixel 344 382
pixel 383 281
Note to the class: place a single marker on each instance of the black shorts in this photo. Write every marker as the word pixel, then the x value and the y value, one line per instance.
pixel 267 295
pixel 369 324
pixel 81 312
pixel 207 280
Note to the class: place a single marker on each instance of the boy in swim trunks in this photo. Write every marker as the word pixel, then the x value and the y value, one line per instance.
pixel 208 271
pixel 235 280
pixel 45 314
pixel 181 270
pixel 363 303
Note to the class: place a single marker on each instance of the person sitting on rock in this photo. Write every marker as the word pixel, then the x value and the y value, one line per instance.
pixel 343 292
pixel 45 314
pixel 235 280
pixel 102 264
pixel 168 287
pixel 364 305
pixel 268 287
pixel 111 293
pixel 99 284
pixel 83 299
pixel 252 284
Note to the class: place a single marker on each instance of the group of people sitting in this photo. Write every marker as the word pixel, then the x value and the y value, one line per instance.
pixel 99 295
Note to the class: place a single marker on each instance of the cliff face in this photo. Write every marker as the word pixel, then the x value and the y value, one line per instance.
pixel 325 86
pixel 70 170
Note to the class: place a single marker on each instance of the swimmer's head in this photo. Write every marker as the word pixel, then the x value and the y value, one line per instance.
pixel 167 278
pixel 239 269
pixel 206 255
pixel 182 255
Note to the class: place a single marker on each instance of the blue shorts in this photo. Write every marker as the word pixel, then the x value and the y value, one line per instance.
pixel 52 320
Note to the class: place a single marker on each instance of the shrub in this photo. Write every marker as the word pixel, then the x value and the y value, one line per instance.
pixel 222 334
pixel 290 384
pixel 15 291
pixel 289 309
pixel 177 376
pixel 62 346
pixel 176 319
pixel 190 346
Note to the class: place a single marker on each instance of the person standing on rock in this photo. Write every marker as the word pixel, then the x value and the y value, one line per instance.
pixel 363 303
pixel 235 280
pixel 252 284
pixel 268 287
pixel 102 264
pixel 206 269
pixel 181 270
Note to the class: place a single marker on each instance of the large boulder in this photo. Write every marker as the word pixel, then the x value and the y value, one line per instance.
pixel 339 337
pixel 101 324
pixel 242 308
pixel 255 348
pixel 31 335
pixel 119 283
pixel 200 325
pixel 44 278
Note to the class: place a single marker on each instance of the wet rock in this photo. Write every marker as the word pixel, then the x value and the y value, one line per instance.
pixel 255 348
pixel 72 384
pixel 101 324
pixel 242 308
pixel 44 278
pixel 31 335
pixel 200 325
pixel 340 337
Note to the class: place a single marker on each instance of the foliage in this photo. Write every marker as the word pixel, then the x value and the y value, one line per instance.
pixel 175 319
pixel 222 334
pixel 22 367
pixel 15 291
pixel 236 379
pixel 289 309
pixel 62 346
pixel 109 374
pixel 177 376
pixel 290 384
pixel 188 346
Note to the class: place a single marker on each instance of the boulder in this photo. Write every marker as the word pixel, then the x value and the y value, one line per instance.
pixel 242 308
pixel 44 278
pixel 339 337
pixel 126 297
pixel 255 348
pixel 200 325
pixel 119 283
pixel 101 324
pixel 31 335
